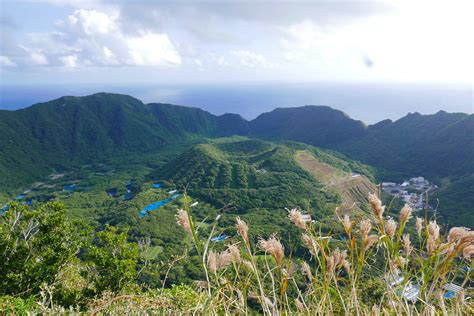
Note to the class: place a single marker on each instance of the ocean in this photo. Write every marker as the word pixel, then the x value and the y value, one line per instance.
pixel 369 103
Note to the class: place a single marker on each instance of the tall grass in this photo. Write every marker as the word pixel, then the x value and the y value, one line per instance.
pixel 411 271
pixel 377 268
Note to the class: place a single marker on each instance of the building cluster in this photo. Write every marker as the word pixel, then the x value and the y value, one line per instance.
pixel 411 191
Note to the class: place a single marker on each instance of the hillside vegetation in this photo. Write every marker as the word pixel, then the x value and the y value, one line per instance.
pixel 229 176
pixel 84 129
pixel 250 174
pixel 71 131
pixel 57 268
pixel 320 126
pixel 434 146
pixel 455 201
pixel 64 134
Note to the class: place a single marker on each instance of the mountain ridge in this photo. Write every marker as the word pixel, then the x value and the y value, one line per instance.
pixel 84 129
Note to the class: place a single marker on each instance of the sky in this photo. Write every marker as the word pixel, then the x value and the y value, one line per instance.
pixel 132 42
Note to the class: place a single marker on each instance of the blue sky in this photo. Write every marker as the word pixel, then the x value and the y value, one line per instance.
pixel 70 42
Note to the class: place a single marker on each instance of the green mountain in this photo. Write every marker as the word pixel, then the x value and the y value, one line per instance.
pixel 434 146
pixel 248 174
pixel 455 201
pixel 77 130
pixel 439 147
pixel 260 178
pixel 320 126
pixel 122 168
pixel 187 121
pixel 84 129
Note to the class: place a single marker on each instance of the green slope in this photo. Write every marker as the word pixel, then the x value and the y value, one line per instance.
pixel 320 126
pixel 456 200
pixel 181 120
pixel 79 130
pixel 252 174
pixel 434 146
pixel 83 129
pixel 439 147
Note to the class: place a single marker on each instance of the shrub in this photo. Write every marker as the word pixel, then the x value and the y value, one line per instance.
pixel 35 245
pixel 114 260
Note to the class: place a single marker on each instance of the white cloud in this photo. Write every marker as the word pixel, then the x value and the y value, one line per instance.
pixel 39 59
pixel 74 3
pixel 307 43
pixel 69 61
pixel 152 49
pixel 109 56
pixel 91 38
pixel 306 40
pixel 108 53
pixel 249 59
pixel 5 61
pixel 301 35
pixel 409 44
pixel 221 61
pixel 93 22
pixel 198 62
pixel 100 40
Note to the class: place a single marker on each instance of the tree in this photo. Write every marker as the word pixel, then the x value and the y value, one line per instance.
pixel 34 246
pixel 115 260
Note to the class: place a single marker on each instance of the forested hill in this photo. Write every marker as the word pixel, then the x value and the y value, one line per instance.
pixel 185 121
pixel 316 125
pixel 435 145
pixel 74 130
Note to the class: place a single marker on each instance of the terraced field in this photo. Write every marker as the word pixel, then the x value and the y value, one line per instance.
pixel 353 188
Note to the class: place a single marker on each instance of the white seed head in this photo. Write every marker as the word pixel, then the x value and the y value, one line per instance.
pixel 274 247
pixel 183 220
pixel 407 244
pixel 297 218
pixel 370 241
pixel 405 214
pixel 456 233
pixel 242 229
pixel 376 205
pixel 433 230
pixel 419 225
pixel 365 227
pixel 390 228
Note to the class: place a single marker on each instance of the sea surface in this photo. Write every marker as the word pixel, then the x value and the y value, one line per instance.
pixel 367 102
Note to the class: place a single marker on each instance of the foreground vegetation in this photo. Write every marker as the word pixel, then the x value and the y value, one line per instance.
pixel 52 265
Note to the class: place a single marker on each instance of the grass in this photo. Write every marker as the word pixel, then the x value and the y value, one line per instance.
pixel 371 270
pixel 240 280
